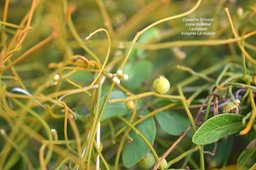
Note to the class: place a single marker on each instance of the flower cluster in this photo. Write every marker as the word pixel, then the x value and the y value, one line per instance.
pixel 117 76
pixel 55 80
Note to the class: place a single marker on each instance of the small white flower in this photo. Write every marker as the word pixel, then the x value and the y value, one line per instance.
pixel 240 12
pixel 178 53
pixel 118 53
pixel 2 132
pixel 54 131
pixel 237 102
pixel 119 72
pixel 116 80
pixel 56 77
pixel 125 76
pixel 54 83
pixel 110 75
pixel 54 134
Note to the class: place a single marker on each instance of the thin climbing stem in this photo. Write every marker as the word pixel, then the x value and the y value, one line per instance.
pixel 253 115
pixel 185 105
pixel 154 24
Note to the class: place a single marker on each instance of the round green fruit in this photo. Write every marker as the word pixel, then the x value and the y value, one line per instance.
pixel 164 164
pixel 147 162
pixel 161 85
pixel 231 108
pixel 129 104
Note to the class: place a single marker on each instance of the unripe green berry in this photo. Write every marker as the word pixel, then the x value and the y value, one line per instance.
pixel 161 85
pixel 231 108
pixel 147 162
pixel 164 164
pixel 130 104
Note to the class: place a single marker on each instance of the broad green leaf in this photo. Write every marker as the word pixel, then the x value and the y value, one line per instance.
pixel 138 73
pixel 133 55
pixel 149 35
pixel 134 151
pixel 221 157
pixel 114 109
pixel 218 127
pixel 172 123
pixel 248 156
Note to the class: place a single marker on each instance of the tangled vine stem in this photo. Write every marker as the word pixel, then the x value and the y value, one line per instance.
pixel 20 35
pixel 146 94
pixel 253 115
pixel 247 55
pixel 154 24
pixel 187 43
pixel 171 148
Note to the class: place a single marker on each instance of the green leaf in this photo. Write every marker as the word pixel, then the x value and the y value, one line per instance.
pixel 114 109
pixel 221 157
pixel 138 73
pixel 147 37
pixel 133 152
pixel 218 127
pixel 248 156
pixel 172 123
